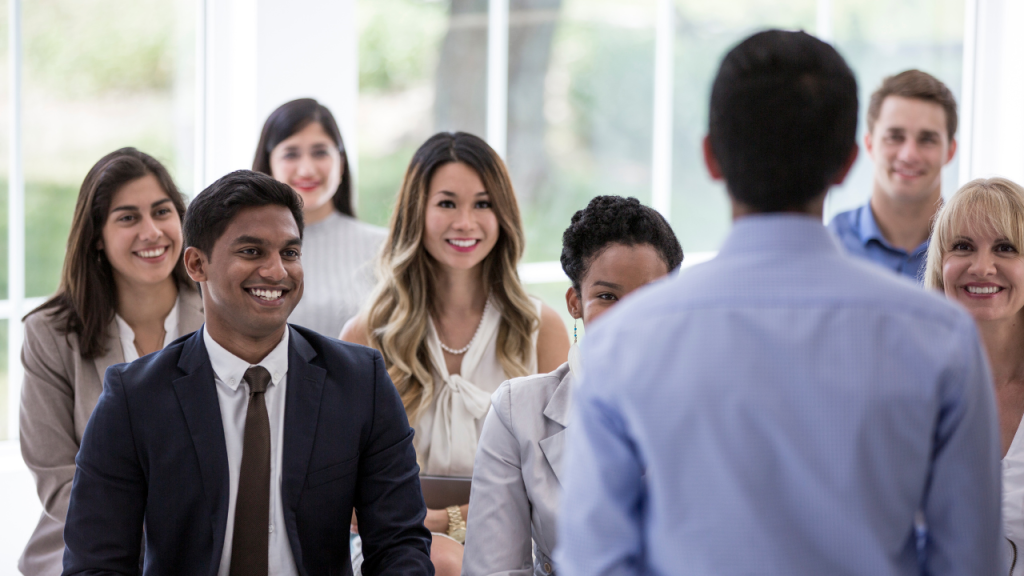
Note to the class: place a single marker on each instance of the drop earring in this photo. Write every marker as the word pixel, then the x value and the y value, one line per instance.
pixel 575 362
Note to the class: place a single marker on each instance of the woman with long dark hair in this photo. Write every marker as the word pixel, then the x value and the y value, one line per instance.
pixel 449 314
pixel 301 146
pixel 123 293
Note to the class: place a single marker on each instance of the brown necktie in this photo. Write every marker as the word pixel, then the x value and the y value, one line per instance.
pixel 252 507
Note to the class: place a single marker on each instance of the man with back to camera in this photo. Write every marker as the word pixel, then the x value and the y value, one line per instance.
pixel 784 408
pixel 243 448
pixel 911 135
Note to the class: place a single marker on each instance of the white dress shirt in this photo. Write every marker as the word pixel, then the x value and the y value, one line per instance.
pixel 233 395
pixel 127 336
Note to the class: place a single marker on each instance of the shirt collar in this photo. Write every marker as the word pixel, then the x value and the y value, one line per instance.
pixel 126 333
pixel 778 232
pixel 230 369
pixel 867 226
pixel 868 230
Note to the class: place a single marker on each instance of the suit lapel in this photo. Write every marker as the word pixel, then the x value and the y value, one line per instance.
pixel 557 411
pixel 113 354
pixel 197 395
pixel 301 410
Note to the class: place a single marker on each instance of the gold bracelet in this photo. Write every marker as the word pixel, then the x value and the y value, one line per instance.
pixel 456 525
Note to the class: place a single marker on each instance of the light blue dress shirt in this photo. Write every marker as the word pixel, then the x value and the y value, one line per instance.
pixel 858 232
pixel 782 409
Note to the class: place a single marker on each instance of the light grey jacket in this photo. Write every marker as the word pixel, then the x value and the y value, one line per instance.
pixel 516 486
pixel 59 393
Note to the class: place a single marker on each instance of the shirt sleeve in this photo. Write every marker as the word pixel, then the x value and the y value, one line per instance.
pixel 498 535
pixel 47 422
pixel 103 533
pixel 388 500
pixel 962 503
pixel 602 509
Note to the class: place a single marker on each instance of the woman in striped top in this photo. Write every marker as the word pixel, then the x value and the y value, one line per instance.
pixel 302 147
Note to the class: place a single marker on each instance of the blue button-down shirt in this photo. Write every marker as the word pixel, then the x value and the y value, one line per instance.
pixel 782 409
pixel 858 232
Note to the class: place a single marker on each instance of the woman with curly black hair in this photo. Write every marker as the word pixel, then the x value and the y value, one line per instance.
pixel 610 249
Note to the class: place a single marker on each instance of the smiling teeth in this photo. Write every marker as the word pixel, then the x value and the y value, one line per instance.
pixel 151 253
pixel 463 243
pixel 266 294
pixel 983 290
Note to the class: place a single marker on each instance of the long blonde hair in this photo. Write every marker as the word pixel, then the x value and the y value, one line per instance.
pixel 996 204
pixel 404 298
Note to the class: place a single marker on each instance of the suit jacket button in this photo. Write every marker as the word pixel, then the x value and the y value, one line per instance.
pixel 547 568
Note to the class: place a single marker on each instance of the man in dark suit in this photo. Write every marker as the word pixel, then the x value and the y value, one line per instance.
pixel 244 447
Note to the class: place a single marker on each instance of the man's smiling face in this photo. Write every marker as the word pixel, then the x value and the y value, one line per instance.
pixel 909 144
pixel 253 278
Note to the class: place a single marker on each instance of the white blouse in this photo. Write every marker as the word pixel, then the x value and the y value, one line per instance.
pixel 1013 503
pixel 449 429
pixel 127 335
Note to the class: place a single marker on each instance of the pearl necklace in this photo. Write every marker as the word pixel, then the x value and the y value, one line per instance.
pixel 465 348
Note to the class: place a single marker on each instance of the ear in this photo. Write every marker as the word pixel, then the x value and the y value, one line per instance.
pixel 868 144
pixel 99 244
pixel 572 302
pixel 952 150
pixel 845 170
pixel 710 161
pixel 195 264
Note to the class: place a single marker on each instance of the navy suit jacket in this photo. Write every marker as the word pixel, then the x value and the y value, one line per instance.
pixel 154 453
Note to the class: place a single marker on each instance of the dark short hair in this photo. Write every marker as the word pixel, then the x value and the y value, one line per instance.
pixel 86 299
pixel 213 209
pixel 615 220
pixel 919 86
pixel 292 117
pixel 783 119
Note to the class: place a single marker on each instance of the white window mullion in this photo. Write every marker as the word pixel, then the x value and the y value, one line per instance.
pixel 664 85
pixel 497 75
pixel 15 223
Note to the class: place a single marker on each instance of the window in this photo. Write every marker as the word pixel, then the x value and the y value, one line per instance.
pixel 96 75
pixel 608 97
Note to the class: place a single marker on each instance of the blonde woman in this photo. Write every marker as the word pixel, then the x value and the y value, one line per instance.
pixel 449 314
pixel 975 259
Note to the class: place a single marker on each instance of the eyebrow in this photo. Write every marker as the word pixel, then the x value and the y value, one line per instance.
pixel 453 194
pixel 130 208
pixel 611 285
pixel 246 239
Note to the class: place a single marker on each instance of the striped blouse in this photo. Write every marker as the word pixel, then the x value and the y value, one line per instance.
pixel 338 256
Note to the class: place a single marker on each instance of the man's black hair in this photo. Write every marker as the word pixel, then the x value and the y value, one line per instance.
pixel 783 119
pixel 615 220
pixel 209 214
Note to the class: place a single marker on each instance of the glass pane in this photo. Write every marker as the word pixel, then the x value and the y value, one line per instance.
pixel 581 87
pixel 868 36
pixel 5 407
pixel 705 32
pixel 400 42
pixel 99 75
pixel 5 118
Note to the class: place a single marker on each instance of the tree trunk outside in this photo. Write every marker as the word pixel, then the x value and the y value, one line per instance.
pixel 461 93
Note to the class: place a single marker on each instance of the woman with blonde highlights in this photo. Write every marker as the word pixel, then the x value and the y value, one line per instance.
pixel 975 258
pixel 449 314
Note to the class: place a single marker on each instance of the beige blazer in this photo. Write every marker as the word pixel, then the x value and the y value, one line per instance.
pixel 59 393
pixel 516 488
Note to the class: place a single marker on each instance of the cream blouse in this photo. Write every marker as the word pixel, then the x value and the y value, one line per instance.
pixel 449 429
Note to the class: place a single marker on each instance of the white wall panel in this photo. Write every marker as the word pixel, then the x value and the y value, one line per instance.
pixel 263 53
pixel 992 107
